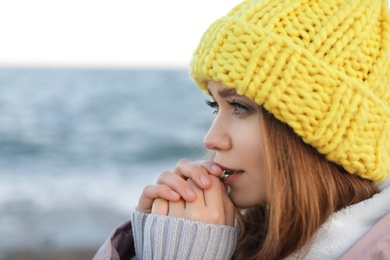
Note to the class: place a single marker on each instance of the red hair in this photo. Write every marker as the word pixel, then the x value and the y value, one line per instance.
pixel 303 190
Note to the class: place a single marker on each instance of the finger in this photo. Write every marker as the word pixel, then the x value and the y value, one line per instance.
pixel 209 206
pixel 213 198
pixel 176 208
pixel 151 192
pixel 211 167
pixel 228 207
pixel 199 202
pixel 178 184
pixel 160 207
pixel 195 210
pixel 197 171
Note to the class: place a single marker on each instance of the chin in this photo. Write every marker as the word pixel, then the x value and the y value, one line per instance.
pixel 244 200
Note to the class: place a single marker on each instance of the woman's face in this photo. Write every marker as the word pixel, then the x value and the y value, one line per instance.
pixel 235 136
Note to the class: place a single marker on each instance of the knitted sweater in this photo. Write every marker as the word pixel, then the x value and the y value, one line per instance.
pixel 338 234
pixel 165 237
pixel 162 237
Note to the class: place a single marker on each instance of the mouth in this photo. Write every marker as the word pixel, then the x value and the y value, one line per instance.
pixel 226 174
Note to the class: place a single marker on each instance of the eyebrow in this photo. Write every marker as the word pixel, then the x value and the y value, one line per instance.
pixel 225 92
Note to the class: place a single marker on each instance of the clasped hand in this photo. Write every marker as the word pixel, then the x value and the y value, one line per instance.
pixel 193 191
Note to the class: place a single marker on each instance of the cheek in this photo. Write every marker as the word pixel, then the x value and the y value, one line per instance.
pixel 251 150
pixel 248 134
pixel 251 190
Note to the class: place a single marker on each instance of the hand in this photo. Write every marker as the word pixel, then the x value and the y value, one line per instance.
pixel 172 186
pixel 211 206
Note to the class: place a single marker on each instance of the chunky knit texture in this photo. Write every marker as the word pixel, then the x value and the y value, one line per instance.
pixel 321 66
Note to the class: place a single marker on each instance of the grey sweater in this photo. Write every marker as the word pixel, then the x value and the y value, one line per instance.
pixel 363 227
pixel 165 237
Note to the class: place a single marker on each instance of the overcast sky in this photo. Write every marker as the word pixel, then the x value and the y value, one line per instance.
pixel 104 32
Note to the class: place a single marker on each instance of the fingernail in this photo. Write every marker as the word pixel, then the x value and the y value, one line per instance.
pixel 174 194
pixel 214 168
pixel 189 192
pixel 204 180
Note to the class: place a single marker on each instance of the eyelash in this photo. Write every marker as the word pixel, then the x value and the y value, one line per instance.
pixel 239 108
pixel 213 104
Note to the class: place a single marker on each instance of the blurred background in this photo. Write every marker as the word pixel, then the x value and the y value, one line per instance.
pixel 95 102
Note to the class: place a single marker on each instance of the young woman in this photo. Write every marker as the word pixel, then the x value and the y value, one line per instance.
pixel 300 141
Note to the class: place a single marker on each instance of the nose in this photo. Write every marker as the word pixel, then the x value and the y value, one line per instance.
pixel 218 138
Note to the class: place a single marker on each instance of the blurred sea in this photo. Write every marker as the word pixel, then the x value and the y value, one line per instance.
pixel 77 146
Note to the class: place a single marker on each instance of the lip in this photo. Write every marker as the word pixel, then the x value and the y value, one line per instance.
pixel 232 174
pixel 224 168
pixel 232 178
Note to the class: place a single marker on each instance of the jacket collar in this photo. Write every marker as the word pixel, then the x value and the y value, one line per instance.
pixel 346 226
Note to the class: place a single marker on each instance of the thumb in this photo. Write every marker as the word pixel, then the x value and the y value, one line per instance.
pixel 228 208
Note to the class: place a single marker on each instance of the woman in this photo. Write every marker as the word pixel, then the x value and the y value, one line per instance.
pixel 301 140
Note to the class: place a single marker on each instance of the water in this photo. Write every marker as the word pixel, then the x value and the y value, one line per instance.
pixel 78 145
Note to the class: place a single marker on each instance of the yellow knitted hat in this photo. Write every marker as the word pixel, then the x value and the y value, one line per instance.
pixel 321 66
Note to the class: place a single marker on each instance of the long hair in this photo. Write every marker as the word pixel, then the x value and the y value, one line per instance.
pixel 303 190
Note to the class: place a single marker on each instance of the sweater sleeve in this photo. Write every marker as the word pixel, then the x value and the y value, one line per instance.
pixel 138 219
pixel 165 237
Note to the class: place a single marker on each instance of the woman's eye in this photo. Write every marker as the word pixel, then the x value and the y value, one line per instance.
pixel 214 105
pixel 239 108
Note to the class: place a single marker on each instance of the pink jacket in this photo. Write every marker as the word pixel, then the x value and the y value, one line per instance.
pixel 375 244
pixel 119 245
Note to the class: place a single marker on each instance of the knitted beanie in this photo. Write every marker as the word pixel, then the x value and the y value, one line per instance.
pixel 320 66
